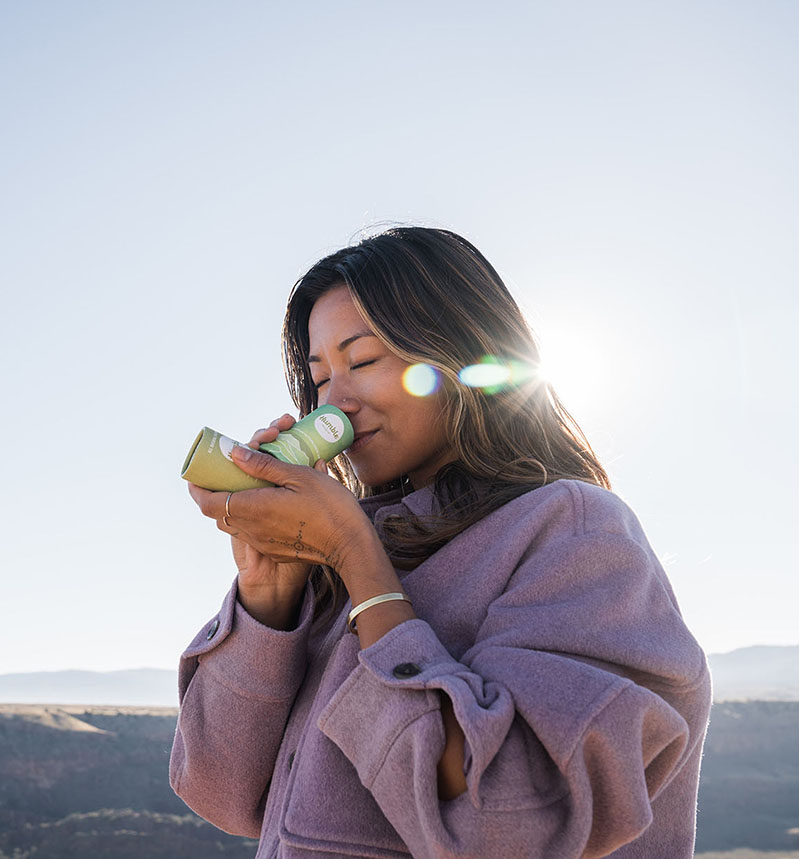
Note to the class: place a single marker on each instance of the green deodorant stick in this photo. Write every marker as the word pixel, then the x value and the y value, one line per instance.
pixel 322 434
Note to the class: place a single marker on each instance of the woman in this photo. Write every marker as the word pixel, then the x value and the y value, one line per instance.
pixel 525 687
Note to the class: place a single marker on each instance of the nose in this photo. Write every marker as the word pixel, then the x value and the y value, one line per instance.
pixel 339 393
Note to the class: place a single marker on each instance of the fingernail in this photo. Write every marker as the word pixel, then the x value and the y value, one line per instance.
pixel 241 452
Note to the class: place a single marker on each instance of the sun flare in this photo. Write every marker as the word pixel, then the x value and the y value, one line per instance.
pixel 575 363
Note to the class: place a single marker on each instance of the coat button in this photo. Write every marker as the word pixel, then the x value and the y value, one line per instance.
pixel 291 760
pixel 407 669
pixel 213 629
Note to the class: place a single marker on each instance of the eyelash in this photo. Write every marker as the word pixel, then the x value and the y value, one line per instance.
pixel 317 385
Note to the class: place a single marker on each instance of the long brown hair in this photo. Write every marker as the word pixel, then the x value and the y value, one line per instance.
pixel 433 298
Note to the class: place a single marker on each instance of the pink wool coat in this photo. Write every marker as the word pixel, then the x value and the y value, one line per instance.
pixel 552 627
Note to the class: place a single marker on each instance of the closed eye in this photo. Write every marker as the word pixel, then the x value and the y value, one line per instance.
pixel 317 385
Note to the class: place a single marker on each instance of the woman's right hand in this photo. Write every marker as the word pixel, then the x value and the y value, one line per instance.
pixel 261 580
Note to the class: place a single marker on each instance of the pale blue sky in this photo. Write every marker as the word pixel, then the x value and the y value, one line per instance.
pixel 169 169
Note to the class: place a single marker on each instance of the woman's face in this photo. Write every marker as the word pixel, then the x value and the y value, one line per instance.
pixel 396 433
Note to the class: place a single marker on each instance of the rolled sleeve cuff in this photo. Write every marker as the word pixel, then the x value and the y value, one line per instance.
pixel 252 659
pixel 386 693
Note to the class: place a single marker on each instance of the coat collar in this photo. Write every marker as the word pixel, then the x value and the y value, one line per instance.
pixel 421 502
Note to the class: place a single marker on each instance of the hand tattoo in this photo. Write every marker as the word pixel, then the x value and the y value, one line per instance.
pixel 298 545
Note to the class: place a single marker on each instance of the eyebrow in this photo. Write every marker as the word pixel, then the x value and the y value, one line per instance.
pixel 344 343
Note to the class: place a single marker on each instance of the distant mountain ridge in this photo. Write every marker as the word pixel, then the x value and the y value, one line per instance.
pixel 135 687
pixel 756 673
pixel 761 673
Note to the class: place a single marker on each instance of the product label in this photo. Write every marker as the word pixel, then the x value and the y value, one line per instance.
pixel 287 448
pixel 226 445
pixel 291 449
pixel 330 427
pixel 310 439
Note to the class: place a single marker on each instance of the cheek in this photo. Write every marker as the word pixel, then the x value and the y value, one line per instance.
pixel 426 417
pixel 384 386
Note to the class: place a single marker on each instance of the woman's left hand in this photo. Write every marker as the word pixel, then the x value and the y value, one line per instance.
pixel 306 516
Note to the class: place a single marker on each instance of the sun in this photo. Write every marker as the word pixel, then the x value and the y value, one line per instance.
pixel 575 362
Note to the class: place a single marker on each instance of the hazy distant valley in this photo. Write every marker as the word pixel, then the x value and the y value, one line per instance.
pixel 92 781
pixel 751 673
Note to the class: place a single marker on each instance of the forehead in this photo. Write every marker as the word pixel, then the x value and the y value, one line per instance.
pixel 333 318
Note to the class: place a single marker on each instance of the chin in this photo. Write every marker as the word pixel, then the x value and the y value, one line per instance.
pixel 373 478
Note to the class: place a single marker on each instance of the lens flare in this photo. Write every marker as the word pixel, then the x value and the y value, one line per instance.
pixel 522 371
pixel 493 374
pixel 421 380
pixel 484 375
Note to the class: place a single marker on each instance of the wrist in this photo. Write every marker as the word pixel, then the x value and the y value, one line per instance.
pixel 367 572
pixel 365 563
pixel 373 602
pixel 279 595
pixel 274 607
pixel 376 621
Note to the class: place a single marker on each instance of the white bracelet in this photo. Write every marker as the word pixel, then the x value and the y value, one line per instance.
pixel 368 604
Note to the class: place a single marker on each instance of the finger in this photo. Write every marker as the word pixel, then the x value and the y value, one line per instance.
pixel 201 497
pixel 228 529
pixel 211 504
pixel 270 433
pixel 266 467
pixel 320 465
pixel 262 436
pixel 284 422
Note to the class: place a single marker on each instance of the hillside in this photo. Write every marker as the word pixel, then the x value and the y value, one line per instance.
pixel 93 781
pixel 749 787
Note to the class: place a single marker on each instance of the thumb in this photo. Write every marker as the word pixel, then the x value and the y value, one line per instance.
pixel 262 465
pixel 320 465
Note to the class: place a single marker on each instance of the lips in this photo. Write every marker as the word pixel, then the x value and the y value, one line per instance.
pixel 361 439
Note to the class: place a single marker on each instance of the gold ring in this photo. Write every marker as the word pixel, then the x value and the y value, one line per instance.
pixel 227 509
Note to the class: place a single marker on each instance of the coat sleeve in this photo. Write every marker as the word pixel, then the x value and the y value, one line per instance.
pixel 237 681
pixel 562 757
